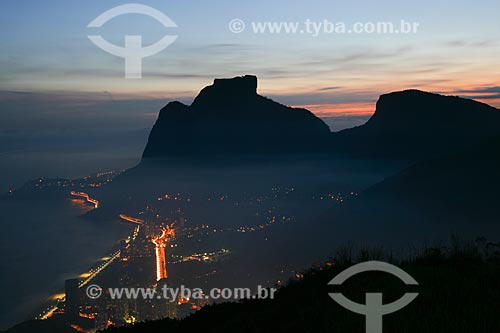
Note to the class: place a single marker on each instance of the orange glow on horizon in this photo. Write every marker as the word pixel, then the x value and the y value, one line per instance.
pixel 368 108
pixel 340 110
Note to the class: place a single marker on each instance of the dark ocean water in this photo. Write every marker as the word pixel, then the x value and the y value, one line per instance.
pixel 42 244
pixel 44 241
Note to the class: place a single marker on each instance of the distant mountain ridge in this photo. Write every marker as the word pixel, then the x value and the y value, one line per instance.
pixel 413 122
pixel 455 194
pixel 229 118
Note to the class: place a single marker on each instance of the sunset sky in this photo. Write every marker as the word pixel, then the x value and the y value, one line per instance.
pixel 48 58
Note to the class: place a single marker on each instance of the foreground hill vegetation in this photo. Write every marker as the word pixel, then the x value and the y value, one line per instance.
pixel 458 292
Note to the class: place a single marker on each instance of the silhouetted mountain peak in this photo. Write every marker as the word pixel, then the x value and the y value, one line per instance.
pixel 417 110
pixel 412 121
pixel 408 93
pixel 174 108
pixel 227 92
pixel 246 84
pixel 229 117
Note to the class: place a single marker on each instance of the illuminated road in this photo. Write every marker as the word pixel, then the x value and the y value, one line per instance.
pixel 86 197
pixel 161 260
pixel 131 219
pixel 99 269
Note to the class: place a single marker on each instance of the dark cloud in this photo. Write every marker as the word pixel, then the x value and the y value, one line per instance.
pixel 466 43
pixel 329 88
pixel 73 110
pixel 489 96
pixel 485 93
pixel 481 90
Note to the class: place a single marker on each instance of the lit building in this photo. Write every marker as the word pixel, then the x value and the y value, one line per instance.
pixel 72 302
pixel 164 307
